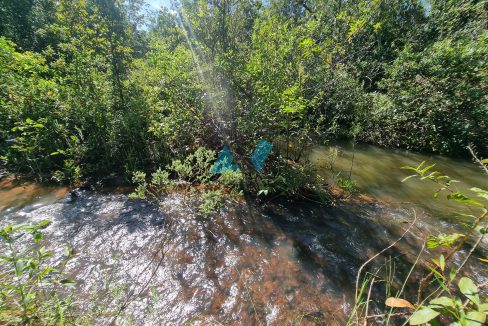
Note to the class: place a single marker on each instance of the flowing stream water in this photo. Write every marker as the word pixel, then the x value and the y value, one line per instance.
pixel 271 264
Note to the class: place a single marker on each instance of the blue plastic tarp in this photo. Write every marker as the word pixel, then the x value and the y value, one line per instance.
pixel 260 154
pixel 224 162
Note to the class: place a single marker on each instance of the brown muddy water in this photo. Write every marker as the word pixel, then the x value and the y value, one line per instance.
pixel 272 264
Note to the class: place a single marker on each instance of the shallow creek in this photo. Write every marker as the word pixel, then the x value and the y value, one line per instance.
pixel 253 264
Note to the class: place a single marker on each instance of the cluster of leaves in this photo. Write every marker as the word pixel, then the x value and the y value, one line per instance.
pixel 438 96
pixel 32 290
pixel 70 112
pixel 424 172
pixel 446 303
pixel 470 312
pixel 348 184
pixel 110 91
pixel 285 178
pixel 193 177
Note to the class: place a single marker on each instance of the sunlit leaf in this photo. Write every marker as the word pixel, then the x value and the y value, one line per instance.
pixel 483 307
pixel 452 274
pixel 423 316
pixel 460 198
pixel 409 168
pixel 475 318
pixel 443 240
pixel 480 192
pixel 469 289
pixel 44 223
pixel 263 192
pixel 427 168
pixel 443 301
pixel 409 177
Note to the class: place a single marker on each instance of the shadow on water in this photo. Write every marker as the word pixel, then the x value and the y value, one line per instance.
pixel 250 265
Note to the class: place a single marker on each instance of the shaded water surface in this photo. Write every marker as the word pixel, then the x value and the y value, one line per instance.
pixel 251 265
pixel 378 173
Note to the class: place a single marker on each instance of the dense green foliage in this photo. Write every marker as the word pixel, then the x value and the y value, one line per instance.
pixel 32 290
pixel 94 89
pixel 194 178
pixel 97 88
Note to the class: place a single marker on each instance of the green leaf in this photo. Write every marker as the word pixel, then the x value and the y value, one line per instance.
pixel 442 262
pixel 409 177
pixel 436 272
pixel 469 289
pixel 441 280
pixel 443 301
pixel 483 307
pixel 37 236
pixel 67 282
pixel 47 271
pixel 427 168
pixel 460 198
pixel 423 316
pixel 408 168
pixel 19 267
pixel 44 223
pixel 5 258
pixel 452 274
pixel 475 318
pixel 480 192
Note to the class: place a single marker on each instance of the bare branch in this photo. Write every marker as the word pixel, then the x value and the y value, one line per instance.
pixel 476 159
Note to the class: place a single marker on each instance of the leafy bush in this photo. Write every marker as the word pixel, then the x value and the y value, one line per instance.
pixel 232 180
pixel 348 185
pixel 464 312
pixel 193 176
pixel 288 179
pixel 211 202
pixel 435 99
pixel 32 290
pixel 29 131
pixel 195 167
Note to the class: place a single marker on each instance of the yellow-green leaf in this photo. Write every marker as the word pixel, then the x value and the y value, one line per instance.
pixel 423 316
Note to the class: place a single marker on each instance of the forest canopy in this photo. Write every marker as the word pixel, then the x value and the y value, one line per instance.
pixel 92 88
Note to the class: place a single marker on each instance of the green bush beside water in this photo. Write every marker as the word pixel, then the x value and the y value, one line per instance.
pixel 93 89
